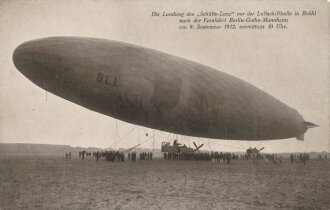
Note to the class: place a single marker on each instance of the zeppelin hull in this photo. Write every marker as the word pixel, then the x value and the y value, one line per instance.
pixel 154 89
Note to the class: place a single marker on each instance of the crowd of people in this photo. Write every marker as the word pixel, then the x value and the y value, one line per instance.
pixel 108 155
pixel 216 157
pixel 227 157
pixel 132 156
pixel 113 155
pixel 208 156
pixel 302 157
pixel 83 154
pixel 146 156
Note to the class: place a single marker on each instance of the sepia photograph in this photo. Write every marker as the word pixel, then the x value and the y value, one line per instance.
pixel 189 104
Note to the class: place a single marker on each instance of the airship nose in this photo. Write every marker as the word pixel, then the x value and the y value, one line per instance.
pixel 25 59
pixel 48 64
pixel 20 57
pixel 33 61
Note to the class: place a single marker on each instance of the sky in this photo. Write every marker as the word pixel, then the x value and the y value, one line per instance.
pixel 292 65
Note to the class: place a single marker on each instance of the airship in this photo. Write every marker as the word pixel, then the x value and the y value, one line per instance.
pixel 157 90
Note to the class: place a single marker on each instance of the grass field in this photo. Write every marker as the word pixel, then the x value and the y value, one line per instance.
pixel 57 183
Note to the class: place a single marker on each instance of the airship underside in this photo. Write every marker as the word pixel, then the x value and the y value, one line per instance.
pixel 156 90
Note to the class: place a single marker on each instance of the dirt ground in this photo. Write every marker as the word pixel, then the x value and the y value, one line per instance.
pixel 57 183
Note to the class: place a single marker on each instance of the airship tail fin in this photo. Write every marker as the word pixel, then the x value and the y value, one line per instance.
pixel 310 125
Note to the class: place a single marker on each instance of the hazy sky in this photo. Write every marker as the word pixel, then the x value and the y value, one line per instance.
pixel 292 65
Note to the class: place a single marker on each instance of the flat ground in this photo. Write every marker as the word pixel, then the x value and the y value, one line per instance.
pixel 57 183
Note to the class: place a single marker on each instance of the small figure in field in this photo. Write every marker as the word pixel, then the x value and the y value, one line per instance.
pixel 97 156
pixel 291 157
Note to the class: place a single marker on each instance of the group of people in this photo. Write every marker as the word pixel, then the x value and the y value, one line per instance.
pixel 302 157
pixel 217 157
pixel 319 157
pixel 68 155
pixel 146 156
pixel 227 157
pixel 114 155
pixel 132 156
pixel 82 154
pixel 220 157
pixel 109 155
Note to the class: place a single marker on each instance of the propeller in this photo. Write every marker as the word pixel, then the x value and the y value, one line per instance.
pixel 261 149
pixel 197 147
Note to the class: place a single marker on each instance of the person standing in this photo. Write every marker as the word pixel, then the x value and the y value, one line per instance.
pixel 97 156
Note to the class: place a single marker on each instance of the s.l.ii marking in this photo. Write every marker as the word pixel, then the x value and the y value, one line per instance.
pixel 107 79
